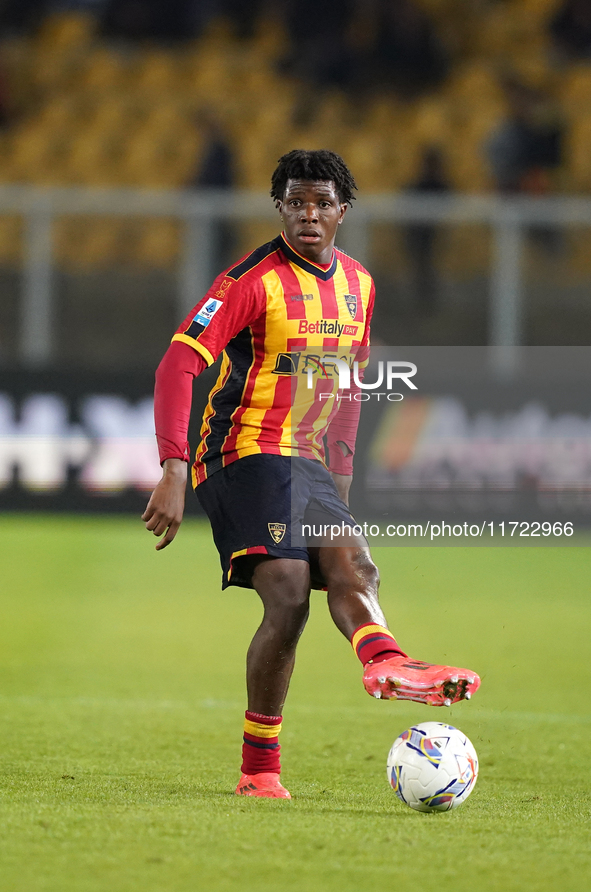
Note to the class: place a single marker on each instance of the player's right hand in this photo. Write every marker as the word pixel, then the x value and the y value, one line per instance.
pixel 164 512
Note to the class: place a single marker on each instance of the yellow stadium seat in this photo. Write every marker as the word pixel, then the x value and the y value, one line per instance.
pixel 58 53
pixel 472 87
pixel 432 122
pixel 113 119
pixel 209 77
pixel 506 27
pixel 579 253
pixel 61 112
pixel 92 160
pixel 27 149
pixel 11 240
pixel 575 91
pixel 255 158
pixel 103 69
pixel 540 10
pixel 91 242
pixel 368 155
pixel 157 72
pixel 467 165
pixel 6 160
pixel 251 234
pixel 159 157
pixel 61 31
pixel 464 251
pixel 100 116
pixel 532 66
pixel 384 112
pixel 266 119
pixel 577 154
pixel 51 72
pixel 270 41
pixel 157 244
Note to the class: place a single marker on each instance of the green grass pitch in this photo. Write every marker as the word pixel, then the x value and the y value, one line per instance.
pixel 121 706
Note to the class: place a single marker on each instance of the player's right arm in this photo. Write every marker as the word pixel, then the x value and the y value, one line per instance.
pixel 164 512
pixel 225 310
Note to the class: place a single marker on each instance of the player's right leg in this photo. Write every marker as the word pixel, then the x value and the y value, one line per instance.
pixel 249 504
pixel 284 588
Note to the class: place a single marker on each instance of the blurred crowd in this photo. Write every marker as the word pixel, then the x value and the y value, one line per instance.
pixel 353 44
pixel 427 96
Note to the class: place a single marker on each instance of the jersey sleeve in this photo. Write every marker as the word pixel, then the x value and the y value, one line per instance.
pixel 342 431
pixel 173 395
pixel 229 306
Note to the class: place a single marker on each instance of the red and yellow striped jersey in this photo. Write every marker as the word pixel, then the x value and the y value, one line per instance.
pixel 276 316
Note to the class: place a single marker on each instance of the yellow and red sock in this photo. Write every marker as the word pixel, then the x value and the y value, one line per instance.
pixel 261 750
pixel 373 643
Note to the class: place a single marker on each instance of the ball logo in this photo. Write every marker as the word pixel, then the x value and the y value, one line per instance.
pixel 431 749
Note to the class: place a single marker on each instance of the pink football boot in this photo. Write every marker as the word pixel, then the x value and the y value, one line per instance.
pixel 265 785
pixel 401 678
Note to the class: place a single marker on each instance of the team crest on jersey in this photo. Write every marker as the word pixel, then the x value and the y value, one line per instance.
pixel 351 301
pixel 277 531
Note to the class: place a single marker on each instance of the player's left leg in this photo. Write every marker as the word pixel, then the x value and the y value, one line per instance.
pixel 352 582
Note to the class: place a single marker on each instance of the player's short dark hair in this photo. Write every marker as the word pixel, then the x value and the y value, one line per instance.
pixel 318 164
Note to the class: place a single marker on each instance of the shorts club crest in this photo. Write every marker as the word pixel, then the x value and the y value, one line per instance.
pixel 277 531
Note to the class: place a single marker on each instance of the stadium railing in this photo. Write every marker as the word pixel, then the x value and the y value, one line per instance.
pixel 508 219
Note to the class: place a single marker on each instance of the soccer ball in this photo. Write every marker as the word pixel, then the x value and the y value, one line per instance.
pixel 432 767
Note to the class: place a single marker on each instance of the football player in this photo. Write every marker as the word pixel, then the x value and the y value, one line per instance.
pixel 261 473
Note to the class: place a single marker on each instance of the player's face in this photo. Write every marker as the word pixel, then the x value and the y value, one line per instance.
pixel 311 212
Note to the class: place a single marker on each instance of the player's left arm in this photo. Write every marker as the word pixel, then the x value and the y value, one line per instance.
pixel 343 484
pixel 342 431
pixel 340 441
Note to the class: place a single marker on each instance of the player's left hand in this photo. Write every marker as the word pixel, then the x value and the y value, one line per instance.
pixel 343 485
pixel 164 512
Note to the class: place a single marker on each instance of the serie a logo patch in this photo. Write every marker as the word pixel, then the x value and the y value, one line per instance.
pixel 277 531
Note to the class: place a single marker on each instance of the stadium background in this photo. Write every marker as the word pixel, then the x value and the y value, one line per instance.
pixel 136 144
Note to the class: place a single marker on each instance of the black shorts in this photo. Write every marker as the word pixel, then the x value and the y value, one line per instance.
pixel 269 504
